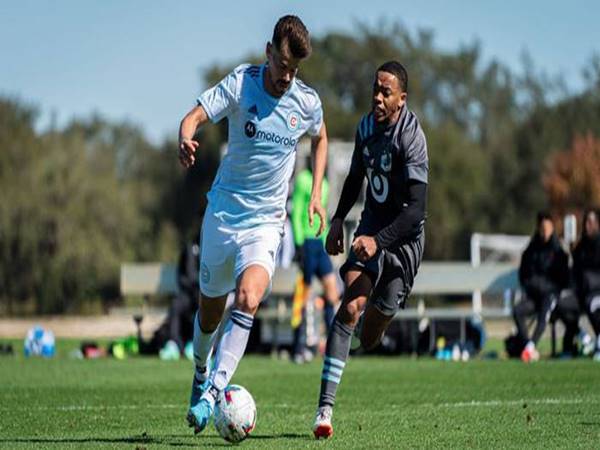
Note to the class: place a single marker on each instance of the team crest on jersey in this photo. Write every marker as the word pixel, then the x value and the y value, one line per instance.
pixel 378 168
pixel 293 121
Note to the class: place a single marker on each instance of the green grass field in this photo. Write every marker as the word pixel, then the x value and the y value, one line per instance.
pixel 382 403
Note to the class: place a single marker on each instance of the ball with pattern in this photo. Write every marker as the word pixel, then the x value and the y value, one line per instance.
pixel 235 413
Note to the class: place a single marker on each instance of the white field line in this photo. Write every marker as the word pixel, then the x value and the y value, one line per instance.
pixel 538 401
pixel 469 404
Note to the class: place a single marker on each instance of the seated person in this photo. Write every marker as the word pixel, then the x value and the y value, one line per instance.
pixel 178 325
pixel 543 273
pixel 183 307
pixel 568 312
pixel 586 272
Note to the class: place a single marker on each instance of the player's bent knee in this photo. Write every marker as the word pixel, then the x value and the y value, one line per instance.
pixel 248 300
pixel 349 313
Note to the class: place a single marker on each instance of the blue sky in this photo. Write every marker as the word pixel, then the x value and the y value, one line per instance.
pixel 143 60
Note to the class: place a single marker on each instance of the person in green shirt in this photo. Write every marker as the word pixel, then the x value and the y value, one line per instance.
pixel 311 255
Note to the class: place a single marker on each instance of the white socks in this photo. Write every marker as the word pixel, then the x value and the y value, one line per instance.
pixel 203 345
pixel 231 348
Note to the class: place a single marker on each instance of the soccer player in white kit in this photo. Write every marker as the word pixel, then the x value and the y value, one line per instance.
pixel 268 109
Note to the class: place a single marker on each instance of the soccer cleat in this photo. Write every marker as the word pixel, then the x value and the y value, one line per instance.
pixel 322 427
pixel 201 413
pixel 198 388
pixel 530 354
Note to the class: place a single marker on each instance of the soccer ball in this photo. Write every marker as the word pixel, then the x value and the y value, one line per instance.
pixel 235 413
pixel 39 342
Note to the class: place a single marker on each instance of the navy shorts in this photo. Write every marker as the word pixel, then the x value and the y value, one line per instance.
pixel 315 261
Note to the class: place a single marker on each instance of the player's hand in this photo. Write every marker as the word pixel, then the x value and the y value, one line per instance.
pixel 335 238
pixel 187 149
pixel 315 207
pixel 364 247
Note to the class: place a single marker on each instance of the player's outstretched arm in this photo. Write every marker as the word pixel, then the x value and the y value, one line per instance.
pixel 319 161
pixel 187 129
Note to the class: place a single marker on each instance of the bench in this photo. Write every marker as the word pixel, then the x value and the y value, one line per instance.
pixel 434 278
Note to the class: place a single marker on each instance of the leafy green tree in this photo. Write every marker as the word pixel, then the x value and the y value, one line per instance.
pixel 74 204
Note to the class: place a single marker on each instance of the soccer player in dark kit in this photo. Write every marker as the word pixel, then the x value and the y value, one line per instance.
pixel 391 151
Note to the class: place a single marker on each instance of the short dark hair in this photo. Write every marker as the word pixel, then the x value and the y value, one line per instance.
pixel 543 215
pixel 398 70
pixel 291 35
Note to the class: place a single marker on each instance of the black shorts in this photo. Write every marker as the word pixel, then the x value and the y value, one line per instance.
pixel 393 273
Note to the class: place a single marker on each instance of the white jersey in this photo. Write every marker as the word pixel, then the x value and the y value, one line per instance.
pixel 251 185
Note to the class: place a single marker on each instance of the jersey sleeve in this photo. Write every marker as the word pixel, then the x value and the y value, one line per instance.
pixel 415 148
pixel 316 117
pixel 220 100
pixel 410 221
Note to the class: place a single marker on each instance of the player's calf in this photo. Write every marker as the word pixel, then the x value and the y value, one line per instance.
pixel 373 326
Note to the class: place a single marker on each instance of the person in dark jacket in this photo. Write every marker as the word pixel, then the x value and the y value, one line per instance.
pixel 543 273
pixel 568 312
pixel 586 272
pixel 178 325
pixel 184 305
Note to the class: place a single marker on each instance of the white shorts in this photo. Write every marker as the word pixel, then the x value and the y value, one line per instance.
pixel 226 252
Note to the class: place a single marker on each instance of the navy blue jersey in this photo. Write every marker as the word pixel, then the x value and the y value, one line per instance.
pixel 391 158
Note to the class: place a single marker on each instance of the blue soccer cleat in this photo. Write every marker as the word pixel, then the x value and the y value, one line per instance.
pixel 201 413
pixel 198 388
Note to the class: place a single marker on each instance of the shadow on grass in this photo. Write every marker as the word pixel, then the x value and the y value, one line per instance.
pixel 172 440
pixel 302 436
pixel 142 439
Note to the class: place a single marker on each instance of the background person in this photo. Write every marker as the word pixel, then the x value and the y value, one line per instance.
pixel 312 258
pixel 586 272
pixel 543 273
